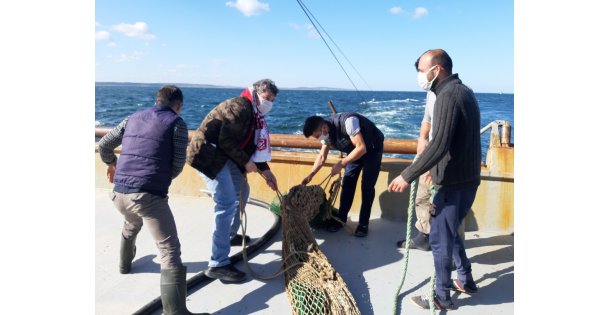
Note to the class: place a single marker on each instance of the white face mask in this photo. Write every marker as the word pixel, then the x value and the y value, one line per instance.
pixel 424 83
pixel 265 105
pixel 324 138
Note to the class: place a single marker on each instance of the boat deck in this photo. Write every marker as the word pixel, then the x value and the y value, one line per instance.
pixel 371 267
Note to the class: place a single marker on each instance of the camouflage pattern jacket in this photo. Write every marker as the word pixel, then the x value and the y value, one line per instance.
pixel 227 132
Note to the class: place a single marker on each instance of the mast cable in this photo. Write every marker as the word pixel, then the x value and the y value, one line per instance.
pixel 340 50
pixel 332 52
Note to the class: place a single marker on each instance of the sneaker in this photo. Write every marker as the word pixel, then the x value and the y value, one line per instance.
pixel 361 231
pixel 468 288
pixel 227 273
pixel 334 226
pixel 422 301
pixel 238 240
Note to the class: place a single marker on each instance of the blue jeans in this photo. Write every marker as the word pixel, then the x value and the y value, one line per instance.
pixel 451 207
pixel 225 190
pixel 370 164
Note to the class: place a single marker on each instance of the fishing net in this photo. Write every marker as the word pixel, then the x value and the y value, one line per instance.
pixel 312 285
pixel 320 220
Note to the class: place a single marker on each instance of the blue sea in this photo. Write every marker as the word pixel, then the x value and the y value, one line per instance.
pixel 397 114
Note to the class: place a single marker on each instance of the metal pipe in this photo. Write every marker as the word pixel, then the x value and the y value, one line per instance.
pixel 505 138
pixel 493 123
pixel 395 146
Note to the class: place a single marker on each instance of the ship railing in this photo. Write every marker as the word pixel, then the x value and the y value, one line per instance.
pixel 500 136
pixel 396 146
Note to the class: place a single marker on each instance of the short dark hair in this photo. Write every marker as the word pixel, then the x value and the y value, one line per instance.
pixel 443 59
pixel 265 85
pixel 311 124
pixel 168 95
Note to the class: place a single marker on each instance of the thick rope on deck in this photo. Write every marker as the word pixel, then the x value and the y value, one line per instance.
pixel 408 236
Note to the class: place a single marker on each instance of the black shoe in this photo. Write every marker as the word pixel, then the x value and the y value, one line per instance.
pixel 421 242
pixel 334 226
pixel 361 231
pixel 468 288
pixel 238 240
pixel 227 273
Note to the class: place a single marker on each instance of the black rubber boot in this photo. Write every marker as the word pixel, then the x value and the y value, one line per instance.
pixel 421 242
pixel 127 253
pixel 173 292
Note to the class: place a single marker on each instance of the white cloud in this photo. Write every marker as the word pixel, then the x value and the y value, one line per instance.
pixel 105 36
pixel 97 24
pixel 138 30
pixel 396 10
pixel 420 12
pixel 249 7
pixel 295 26
pixel 102 35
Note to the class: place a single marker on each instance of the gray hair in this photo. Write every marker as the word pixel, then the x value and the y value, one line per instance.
pixel 265 85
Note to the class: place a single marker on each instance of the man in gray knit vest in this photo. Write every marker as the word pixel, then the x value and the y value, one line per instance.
pixel 153 152
pixel 454 158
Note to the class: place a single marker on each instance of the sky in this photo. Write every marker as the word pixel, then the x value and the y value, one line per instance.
pixel 234 43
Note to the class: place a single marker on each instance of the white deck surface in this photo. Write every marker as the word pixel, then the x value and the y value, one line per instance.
pixel 371 266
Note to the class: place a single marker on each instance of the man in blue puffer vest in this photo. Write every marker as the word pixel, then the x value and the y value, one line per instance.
pixel 153 152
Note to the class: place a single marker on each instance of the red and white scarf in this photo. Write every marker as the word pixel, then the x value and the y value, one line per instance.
pixel 262 135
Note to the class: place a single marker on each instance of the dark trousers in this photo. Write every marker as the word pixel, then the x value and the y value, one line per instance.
pixel 370 164
pixel 450 207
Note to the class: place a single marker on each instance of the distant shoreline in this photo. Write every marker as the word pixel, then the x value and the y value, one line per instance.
pixel 211 86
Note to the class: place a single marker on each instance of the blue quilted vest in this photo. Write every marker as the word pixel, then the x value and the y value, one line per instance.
pixel 146 160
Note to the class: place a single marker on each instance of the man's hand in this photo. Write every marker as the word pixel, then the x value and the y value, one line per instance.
pixel 271 181
pixel 110 173
pixel 398 185
pixel 428 180
pixel 250 167
pixel 307 180
pixel 337 168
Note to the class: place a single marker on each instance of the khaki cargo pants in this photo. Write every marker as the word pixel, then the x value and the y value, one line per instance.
pixel 154 210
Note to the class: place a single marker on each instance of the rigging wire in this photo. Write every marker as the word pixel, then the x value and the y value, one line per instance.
pixel 340 50
pixel 332 52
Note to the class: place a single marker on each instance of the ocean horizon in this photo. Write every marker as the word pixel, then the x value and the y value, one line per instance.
pixel 397 114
